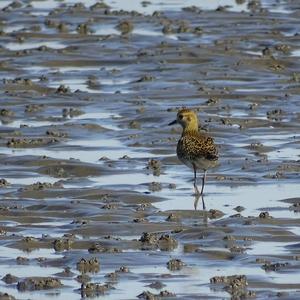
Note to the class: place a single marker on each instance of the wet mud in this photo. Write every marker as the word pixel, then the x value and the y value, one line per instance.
pixel 94 202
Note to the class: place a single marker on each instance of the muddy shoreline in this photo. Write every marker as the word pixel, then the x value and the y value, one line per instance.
pixel 94 203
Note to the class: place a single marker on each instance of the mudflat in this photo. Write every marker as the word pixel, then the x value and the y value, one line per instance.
pixel 94 202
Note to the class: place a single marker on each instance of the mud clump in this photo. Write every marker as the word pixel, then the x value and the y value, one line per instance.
pixel 172 186
pixel 22 260
pixel 237 249
pixel 88 265
pixel 123 269
pixel 242 279
pixel 254 5
pixel 283 48
pixel 62 89
pixel 237 291
pixel 168 29
pixel 183 27
pixel 175 264
pixel 266 51
pixel 84 29
pixel 18 81
pixel 198 30
pixel 156 285
pixel 6 113
pixel 212 101
pixel 62 27
pixel 215 214
pixel 9 279
pixel 134 125
pixel 144 207
pixel 39 186
pixel 30 240
pixel 112 277
pixel 65 273
pixel 71 112
pixel 94 289
pixel 146 78
pixel 239 208
pixel 276 175
pixel 97 248
pixel 275 266
pixel 57 134
pixel 84 80
pixel 229 238
pixel 149 238
pixel 265 215
pixel 153 241
pixel 167 243
pixel 99 5
pixel 295 207
pixel 62 244
pixel 275 115
pixel 258 146
pixel 4 182
pixel 155 186
pixel 33 108
pixel 93 83
pixel 139 220
pixel 26 142
pixel 190 248
pixel 150 296
pixel 155 166
pixel 5 296
pixel 125 26
pixel 173 218
pixel 40 283
pixel 192 9
pixel 235 285
pixel 83 278
pixel 109 206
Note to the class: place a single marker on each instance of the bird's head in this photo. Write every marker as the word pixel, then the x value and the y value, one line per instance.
pixel 187 119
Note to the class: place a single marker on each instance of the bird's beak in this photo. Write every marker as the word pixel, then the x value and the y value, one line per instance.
pixel 173 122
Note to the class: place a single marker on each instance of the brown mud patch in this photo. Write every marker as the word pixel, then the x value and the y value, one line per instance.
pixel 93 199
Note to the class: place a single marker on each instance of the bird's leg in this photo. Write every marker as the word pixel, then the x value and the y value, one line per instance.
pixel 203 181
pixel 197 194
pixel 195 180
pixel 203 203
pixel 197 197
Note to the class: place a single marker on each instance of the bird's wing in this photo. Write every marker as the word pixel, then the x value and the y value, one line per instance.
pixel 202 146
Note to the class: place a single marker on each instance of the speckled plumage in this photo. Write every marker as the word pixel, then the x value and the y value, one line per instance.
pixel 195 149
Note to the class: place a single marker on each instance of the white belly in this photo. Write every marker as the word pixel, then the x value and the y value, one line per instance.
pixel 200 163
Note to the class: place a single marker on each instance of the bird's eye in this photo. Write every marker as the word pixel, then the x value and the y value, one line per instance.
pixel 180 117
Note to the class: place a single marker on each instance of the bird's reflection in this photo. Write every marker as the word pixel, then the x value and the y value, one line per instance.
pixel 205 213
pixel 197 197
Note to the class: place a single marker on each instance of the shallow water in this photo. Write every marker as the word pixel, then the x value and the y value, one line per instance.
pixel 89 146
pixel 30 45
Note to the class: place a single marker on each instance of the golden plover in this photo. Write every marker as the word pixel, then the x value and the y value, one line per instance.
pixel 196 150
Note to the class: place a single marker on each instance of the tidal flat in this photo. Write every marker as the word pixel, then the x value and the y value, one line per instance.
pixel 94 202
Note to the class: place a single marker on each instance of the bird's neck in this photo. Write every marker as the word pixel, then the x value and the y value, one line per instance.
pixel 190 128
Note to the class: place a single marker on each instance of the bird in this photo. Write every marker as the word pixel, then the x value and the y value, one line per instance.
pixel 195 149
